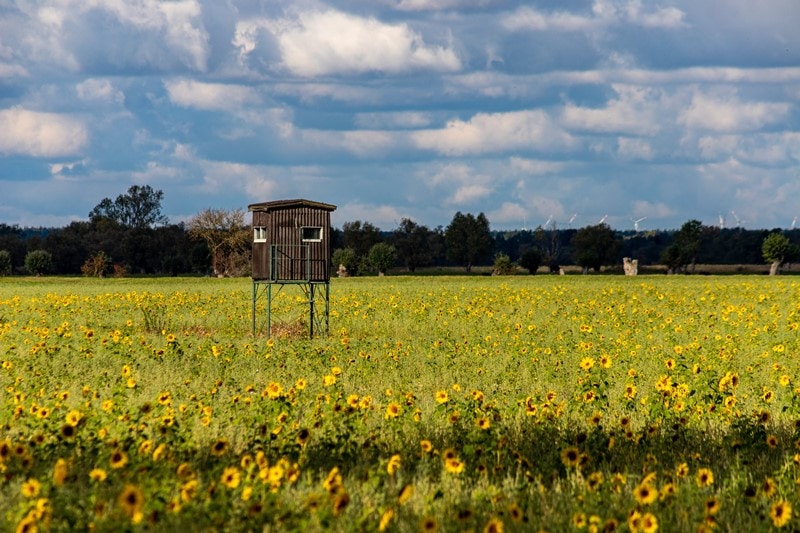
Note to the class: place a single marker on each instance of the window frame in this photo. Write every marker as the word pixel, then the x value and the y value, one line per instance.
pixel 305 239
pixel 259 234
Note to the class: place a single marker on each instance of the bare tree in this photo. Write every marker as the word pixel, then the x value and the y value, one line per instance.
pixel 227 235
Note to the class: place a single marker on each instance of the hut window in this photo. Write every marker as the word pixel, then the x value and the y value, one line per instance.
pixel 259 234
pixel 311 234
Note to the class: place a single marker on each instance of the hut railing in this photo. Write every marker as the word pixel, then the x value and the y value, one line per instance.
pixel 293 262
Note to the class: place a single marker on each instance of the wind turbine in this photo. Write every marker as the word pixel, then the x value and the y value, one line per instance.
pixel 549 222
pixel 602 220
pixel 636 224
pixel 721 220
pixel 794 222
pixel 572 219
pixel 739 221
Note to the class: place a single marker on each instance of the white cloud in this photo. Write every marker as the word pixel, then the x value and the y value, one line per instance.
pixel 177 25
pixel 496 132
pixel 99 90
pixel 633 148
pixel 726 113
pixel 463 184
pixel 604 13
pixel 59 168
pixel 385 217
pixel 779 149
pixel 391 120
pixel 531 166
pixel 633 112
pixel 715 147
pixel 528 18
pixel 320 43
pixel 664 17
pixel 9 70
pixel 210 96
pixel 254 180
pixel 509 213
pixel 651 210
pixel 433 5
pixel 37 134
pixel 366 143
pixel 179 21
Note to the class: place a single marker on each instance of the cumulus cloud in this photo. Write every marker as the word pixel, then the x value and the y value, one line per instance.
pixel 383 216
pixel 464 184
pixel 36 134
pixel 319 43
pixel 100 91
pixel 726 113
pixel 174 29
pixel 210 96
pixel 651 210
pixel 509 213
pixel 603 13
pixel 66 168
pixel 367 143
pixel 633 112
pixel 528 18
pixel 254 180
pixel 660 17
pixel 494 132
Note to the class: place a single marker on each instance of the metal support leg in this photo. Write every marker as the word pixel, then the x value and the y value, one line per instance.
pixel 311 310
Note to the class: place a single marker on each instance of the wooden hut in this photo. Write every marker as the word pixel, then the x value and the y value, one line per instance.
pixel 291 241
pixel 292 246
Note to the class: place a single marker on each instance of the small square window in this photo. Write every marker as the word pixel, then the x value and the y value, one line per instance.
pixel 311 234
pixel 259 234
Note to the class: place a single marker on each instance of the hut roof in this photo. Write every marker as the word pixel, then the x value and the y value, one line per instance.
pixel 288 204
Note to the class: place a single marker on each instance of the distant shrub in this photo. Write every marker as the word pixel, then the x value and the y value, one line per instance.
pixel 346 257
pixel 5 263
pixel 382 257
pixel 531 260
pixel 38 262
pixel 503 265
pixel 120 271
pixel 97 265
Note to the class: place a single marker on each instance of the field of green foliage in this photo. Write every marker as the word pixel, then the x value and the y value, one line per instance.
pixel 583 403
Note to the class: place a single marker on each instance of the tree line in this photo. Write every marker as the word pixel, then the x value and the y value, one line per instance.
pixel 130 236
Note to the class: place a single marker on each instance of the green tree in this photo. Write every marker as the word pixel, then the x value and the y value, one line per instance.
pixel 683 250
pixel 38 262
pixel 382 257
pixel 5 263
pixel 413 244
pixel 503 266
pixel 139 208
pixel 360 236
pixel 595 246
pixel 468 239
pixel 531 260
pixel 345 257
pixel 777 250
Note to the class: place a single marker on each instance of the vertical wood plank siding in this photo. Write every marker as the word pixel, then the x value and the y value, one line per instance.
pixel 284 257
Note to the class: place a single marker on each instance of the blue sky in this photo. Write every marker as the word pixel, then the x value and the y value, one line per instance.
pixel 527 111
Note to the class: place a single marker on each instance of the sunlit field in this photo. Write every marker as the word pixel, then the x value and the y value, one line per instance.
pixel 557 403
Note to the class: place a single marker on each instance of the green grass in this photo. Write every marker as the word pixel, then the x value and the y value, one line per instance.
pixel 645 381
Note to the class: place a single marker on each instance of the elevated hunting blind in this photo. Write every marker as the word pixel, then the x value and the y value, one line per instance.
pixel 292 246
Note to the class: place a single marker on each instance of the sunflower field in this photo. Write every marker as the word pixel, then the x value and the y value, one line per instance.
pixel 563 403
